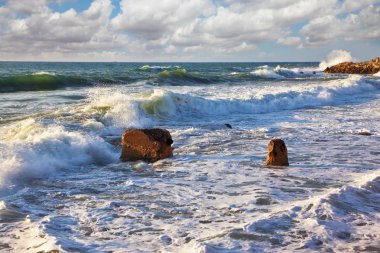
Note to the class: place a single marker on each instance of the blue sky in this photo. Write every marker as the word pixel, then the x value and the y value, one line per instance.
pixel 187 30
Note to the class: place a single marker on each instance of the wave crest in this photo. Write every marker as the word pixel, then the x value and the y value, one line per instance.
pixel 37 151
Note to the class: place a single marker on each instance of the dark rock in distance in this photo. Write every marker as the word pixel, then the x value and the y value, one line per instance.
pixel 263 201
pixel 364 133
pixel 277 153
pixel 228 125
pixel 146 144
pixel 368 67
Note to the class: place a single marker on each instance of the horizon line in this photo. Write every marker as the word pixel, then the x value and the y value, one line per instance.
pixel 48 61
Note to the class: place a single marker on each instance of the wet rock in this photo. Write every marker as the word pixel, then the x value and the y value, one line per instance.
pixel 239 234
pixel 368 67
pixel 263 201
pixel 228 126
pixel 146 144
pixel 277 153
pixel 343 235
pixel 166 239
pixel 364 133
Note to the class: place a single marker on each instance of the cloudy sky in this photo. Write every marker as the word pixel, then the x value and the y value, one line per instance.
pixel 187 30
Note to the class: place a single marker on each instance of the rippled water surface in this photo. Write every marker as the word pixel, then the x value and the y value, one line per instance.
pixel 63 187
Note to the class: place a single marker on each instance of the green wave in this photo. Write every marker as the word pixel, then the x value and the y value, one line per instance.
pixel 39 82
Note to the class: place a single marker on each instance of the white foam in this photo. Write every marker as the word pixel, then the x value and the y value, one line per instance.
pixel 309 215
pixel 33 237
pixel 377 74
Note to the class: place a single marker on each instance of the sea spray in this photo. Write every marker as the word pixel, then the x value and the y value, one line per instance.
pixel 335 57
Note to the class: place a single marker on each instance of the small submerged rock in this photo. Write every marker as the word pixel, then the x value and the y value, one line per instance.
pixel 364 133
pixel 166 239
pixel 263 201
pixel 146 144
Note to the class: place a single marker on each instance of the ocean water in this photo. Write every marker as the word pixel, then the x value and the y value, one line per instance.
pixel 63 188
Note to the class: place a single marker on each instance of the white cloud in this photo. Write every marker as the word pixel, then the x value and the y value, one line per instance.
pixel 290 41
pixel 45 30
pixel 353 5
pixel 180 29
pixel 152 20
pixel 326 29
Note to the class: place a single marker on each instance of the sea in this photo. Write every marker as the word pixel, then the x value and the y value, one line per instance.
pixel 64 189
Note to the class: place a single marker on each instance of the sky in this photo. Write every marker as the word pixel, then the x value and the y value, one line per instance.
pixel 187 30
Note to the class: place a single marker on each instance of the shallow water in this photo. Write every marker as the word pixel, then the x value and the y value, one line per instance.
pixel 63 187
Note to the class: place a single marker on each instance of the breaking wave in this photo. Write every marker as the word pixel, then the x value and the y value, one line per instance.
pixel 161 103
pixel 30 150
pixel 283 72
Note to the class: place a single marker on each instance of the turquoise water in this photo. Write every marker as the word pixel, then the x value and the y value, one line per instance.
pixel 63 187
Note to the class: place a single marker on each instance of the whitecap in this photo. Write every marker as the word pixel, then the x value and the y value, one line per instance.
pixel 40 73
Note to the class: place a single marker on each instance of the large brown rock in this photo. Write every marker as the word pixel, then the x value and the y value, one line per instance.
pixel 368 67
pixel 277 153
pixel 146 144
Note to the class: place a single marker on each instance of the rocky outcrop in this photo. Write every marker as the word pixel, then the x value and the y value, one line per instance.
pixel 146 144
pixel 277 153
pixel 368 67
